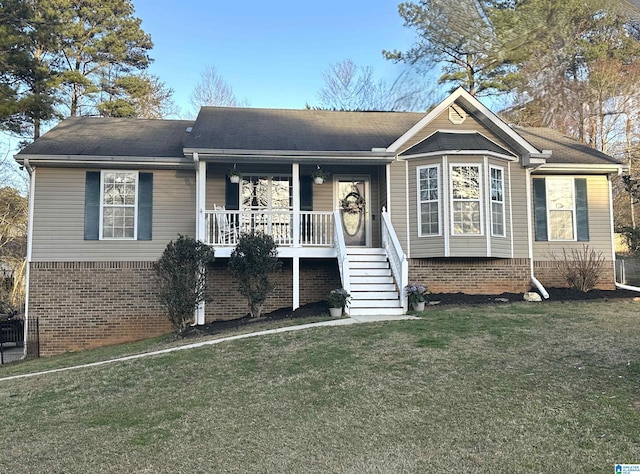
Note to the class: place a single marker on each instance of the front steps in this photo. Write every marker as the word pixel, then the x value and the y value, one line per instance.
pixel 372 288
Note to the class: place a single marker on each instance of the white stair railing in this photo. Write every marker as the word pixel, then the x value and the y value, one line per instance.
pixel 397 258
pixel 341 251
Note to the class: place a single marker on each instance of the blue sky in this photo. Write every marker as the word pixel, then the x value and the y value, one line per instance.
pixel 272 53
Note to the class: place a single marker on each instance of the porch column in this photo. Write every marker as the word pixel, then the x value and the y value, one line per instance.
pixel 201 193
pixel 295 178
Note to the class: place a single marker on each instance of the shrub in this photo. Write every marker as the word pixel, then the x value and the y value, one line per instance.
pixel 255 256
pixel 581 269
pixel 632 239
pixel 181 272
pixel 416 293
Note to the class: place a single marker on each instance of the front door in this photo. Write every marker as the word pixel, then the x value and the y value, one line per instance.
pixel 353 203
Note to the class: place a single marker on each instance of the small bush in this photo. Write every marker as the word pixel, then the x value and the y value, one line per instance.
pixel 632 239
pixel 181 272
pixel 255 256
pixel 581 269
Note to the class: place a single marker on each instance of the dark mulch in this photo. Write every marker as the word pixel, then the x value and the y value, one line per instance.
pixel 555 294
pixel 321 307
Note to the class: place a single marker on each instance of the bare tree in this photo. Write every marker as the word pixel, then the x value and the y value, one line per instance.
pixel 214 90
pixel 348 86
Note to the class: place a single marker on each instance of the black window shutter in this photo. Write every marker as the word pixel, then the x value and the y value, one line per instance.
pixel 92 206
pixel 306 193
pixel 582 210
pixel 145 206
pixel 540 209
pixel 232 196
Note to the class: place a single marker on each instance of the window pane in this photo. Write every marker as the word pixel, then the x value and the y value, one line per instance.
pixel 465 182
pixel 561 225
pixel 429 218
pixel 119 201
pixel 497 218
pixel 466 217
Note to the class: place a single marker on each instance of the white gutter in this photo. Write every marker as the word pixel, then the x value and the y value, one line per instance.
pixel 534 280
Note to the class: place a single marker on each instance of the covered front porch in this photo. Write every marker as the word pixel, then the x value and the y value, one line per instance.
pixel 306 220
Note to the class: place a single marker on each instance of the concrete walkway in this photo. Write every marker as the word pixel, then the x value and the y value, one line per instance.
pixel 210 342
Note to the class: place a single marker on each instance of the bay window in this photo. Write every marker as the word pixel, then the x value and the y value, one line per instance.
pixel 466 209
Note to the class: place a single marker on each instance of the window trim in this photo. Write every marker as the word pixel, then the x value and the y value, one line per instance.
pixel 135 205
pixel 574 223
pixel 419 201
pixel 480 200
pixel 491 202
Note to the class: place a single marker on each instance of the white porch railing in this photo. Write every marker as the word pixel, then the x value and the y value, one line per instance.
pixel 223 227
pixel 397 258
pixel 341 250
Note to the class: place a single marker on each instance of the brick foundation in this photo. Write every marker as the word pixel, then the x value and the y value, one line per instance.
pixel 317 278
pixel 548 274
pixel 82 305
pixel 491 276
pixel 471 275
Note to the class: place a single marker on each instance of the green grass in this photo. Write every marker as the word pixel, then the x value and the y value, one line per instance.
pixel 506 388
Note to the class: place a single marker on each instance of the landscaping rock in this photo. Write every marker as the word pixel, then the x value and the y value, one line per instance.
pixel 532 296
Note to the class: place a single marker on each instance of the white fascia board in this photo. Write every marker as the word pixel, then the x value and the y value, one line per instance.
pixel 472 103
pixel 210 152
pixel 111 161
pixel 567 168
pixel 461 153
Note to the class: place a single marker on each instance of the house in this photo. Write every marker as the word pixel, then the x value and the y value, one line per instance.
pixel 454 198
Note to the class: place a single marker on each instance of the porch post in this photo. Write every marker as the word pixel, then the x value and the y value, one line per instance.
pixel 201 193
pixel 295 178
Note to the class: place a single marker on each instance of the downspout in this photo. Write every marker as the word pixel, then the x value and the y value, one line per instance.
pixel 534 280
pixel 32 188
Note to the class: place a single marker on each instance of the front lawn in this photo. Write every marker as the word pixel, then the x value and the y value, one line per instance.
pixel 497 388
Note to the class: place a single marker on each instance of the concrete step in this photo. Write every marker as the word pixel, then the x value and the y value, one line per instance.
pixel 374 295
pixel 374 280
pixel 375 311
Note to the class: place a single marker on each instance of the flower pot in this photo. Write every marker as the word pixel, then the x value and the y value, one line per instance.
pixel 318 180
pixel 234 178
pixel 335 312
pixel 418 306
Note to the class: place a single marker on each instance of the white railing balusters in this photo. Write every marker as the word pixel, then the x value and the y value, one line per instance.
pixel 397 258
pixel 223 227
pixel 341 250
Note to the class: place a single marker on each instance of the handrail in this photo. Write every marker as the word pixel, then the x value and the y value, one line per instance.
pixel 341 250
pixel 397 257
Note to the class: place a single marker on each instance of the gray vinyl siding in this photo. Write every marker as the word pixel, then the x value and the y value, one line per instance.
pixel 58 219
pixel 519 211
pixel 398 202
pixel 442 123
pixel 600 231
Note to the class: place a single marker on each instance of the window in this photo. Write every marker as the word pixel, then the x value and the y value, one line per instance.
pixel 110 200
pixel 466 210
pixel 428 201
pixel 497 201
pixel 119 191
pixel 560 209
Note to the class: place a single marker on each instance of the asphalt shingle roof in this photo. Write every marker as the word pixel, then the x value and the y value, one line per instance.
pixel 99 136
pixel 564 149
pixel 227 128
pixel 447 141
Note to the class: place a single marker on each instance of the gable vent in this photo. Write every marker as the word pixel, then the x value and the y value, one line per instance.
pixel 457 114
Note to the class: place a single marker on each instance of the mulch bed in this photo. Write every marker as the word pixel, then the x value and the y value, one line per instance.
pixel 320 307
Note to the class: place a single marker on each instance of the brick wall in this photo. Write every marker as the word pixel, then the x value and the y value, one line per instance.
pixel 548 274
pixel 82 305
pixel 470 275
pixel 90 304
pixel 491 276
pixel 317 278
